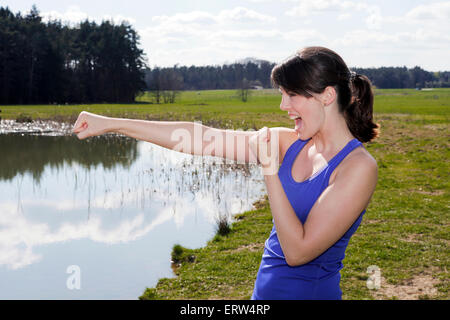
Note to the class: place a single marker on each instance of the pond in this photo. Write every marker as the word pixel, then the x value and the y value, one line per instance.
pixel 106 212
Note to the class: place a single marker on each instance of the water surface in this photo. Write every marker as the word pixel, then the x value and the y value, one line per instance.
pixel 111 206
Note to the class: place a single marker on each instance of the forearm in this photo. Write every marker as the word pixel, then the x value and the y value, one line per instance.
pixel 166 134
pixel 290 230
pixel 188 137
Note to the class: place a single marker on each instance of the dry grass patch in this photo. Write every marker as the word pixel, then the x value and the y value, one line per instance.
pixel 252 247
pixel 421 286
pixel 412 238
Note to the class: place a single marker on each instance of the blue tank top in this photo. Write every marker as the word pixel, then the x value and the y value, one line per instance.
pixel 319 278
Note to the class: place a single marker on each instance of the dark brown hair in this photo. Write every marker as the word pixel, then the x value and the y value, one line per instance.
pixel 313 69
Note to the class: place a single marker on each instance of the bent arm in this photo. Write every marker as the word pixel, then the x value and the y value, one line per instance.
pixel 334 212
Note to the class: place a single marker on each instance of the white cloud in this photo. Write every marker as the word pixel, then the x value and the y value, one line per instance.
pixel 74 15
pixel 374 19
pixel 23 234
pixel 343 9
pixel 302 35
pixel 238 14
pixel 201 27
pixel 438 10
pixel 260 1
pixel 419 37
pixel 244 34
pixel 407 39
pixel 344 16
pixel 19 235
pixel 244 14
pixel 269 27
pixel 364 38
pixel 194 17
pixel 206 38
pixel 194 22
pixel 305 7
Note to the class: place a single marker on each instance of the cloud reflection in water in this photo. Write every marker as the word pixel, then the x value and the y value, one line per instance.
pixel 72 199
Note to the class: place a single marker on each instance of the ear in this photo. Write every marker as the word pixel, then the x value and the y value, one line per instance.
pixel 328 96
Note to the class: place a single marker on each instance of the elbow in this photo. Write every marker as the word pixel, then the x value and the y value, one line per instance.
pixel 300 256
pixel 296 260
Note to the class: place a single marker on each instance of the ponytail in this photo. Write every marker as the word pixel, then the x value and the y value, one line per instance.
pixel 359 113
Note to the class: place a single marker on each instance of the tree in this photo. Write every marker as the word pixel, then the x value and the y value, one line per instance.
pixel 171 84
pixel 154 84
pixel 244 90
pixel 48 62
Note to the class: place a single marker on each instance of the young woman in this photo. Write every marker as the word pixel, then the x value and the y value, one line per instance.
pixel 319 177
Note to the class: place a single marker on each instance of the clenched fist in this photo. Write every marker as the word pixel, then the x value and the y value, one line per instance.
pixel 90 124
pixel 265 146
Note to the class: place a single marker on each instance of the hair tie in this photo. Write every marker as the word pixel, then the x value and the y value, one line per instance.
pixel 352 75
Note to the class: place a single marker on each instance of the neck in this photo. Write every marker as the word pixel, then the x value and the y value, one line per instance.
pixel 334 134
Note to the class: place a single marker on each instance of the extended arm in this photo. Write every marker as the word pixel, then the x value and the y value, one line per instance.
pixel 187 137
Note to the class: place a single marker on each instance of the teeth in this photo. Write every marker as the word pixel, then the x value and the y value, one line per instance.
pixel 293 117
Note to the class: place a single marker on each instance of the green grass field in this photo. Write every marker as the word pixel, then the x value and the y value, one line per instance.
pixel 405 231
pixel 222 107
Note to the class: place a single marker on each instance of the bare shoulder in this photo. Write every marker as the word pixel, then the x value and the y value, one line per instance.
pixel 362 158
pixel 286 137
pixel 359 164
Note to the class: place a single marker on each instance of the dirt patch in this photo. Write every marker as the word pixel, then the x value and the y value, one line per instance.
pixel 437 127
pixel 262 203
pixel 419 287
pixel 391 116
pixel 429 193
pixel 371 221
pixel 412 238
pixel 252 247
pixel 378 93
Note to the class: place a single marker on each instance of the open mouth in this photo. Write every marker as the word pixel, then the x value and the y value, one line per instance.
pixel 298 121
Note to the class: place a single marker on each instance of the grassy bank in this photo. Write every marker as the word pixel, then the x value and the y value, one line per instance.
pixel 405 231
pixel 219 108
pixel 222 108
pixel 225 268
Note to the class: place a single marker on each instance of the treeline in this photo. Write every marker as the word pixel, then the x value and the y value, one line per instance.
pixel 54 63
pixel 45 63
pixel 257 73
pixel 228 76
pixel 402 77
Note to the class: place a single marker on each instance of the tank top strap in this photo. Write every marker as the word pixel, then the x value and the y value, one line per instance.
pixel 351 145
pixel 292 152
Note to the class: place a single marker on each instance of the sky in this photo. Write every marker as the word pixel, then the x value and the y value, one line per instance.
pixel 366 33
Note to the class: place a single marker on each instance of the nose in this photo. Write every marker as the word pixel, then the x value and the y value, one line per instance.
pixel 284 104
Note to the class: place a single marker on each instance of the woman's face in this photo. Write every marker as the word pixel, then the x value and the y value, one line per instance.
pixel 308 113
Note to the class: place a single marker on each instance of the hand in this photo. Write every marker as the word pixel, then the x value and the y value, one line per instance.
pixel 89 124
pixel 265 145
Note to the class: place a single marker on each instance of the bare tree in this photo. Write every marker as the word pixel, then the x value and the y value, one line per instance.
pixel 171 84
pixel 244 90
pixel 154 85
